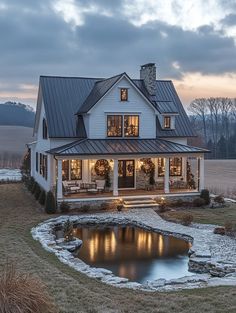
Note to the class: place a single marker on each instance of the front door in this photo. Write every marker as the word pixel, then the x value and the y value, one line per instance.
pixel 126 170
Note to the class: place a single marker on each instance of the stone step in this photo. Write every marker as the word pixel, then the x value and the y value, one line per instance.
pixel 139 201
pixel 141 205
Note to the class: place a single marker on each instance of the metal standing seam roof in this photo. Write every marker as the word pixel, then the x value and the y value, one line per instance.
pixel 123 147
pixel 99 90
pixel 63 97
pixel 166 107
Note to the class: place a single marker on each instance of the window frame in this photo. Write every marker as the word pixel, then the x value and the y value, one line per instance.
pixel 167 117
pixel 37 162
pixel 115 115
pixel 45 129
pixel 127 94
pixel 68 178
pixel 181 167
pixel 130 115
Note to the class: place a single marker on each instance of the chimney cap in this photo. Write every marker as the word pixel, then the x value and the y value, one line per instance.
pixel 148 65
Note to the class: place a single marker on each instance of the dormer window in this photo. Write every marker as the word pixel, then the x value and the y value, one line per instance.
pixel 124 94
pixel 45 129
pixel 167 122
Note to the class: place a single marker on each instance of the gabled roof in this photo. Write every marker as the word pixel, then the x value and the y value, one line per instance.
pixel 63 97
pixel 123 147
pixel 100 88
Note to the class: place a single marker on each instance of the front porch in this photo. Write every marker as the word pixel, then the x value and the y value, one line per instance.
pixel 129 177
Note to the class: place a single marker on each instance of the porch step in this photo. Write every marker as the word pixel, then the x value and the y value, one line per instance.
pixel 142 203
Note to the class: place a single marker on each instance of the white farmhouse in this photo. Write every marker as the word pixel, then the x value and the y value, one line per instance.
pixel 113 138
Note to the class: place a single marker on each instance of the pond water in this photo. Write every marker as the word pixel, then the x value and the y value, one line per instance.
pixel 10 174
pixel 133 252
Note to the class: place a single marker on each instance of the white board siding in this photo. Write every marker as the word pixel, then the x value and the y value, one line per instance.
pixel 111 104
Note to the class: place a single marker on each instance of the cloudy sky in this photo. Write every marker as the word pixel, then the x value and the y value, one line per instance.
pixel 193 42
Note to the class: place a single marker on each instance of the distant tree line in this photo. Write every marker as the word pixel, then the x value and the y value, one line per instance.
pixel 214 120
pixel 10 160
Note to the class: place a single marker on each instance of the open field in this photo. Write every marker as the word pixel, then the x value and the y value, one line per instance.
pixel 205 216
pixel 221 175
pixel 75 292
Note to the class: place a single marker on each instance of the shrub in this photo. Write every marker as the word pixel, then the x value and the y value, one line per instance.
pixel 21 293
pixel 219 199
pixel 37 192
pixel 119 207
pixel 105 206
pixel 219 231
pixel 50 203
pixel 198 202
pixel 42 197
pixel 64 207
pixel 34 187
pixel 85 208
pixel 230 229
pixel 206 196
pixel 179 202
pixel 31 183
pixel 187 219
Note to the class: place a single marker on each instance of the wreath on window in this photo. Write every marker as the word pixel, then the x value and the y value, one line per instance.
pixel 102 167
pixel 148 166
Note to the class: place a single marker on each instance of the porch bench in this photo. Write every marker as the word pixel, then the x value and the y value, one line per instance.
pixel 71 186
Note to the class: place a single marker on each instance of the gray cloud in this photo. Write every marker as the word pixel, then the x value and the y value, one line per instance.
pixel 36 40
pixel 229 20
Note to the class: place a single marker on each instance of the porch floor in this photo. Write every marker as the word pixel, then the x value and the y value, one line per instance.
pixel 128 194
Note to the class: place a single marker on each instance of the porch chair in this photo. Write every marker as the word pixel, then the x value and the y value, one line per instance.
pixel 70 188
pixel 100 184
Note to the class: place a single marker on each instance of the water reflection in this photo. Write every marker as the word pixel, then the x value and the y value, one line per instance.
pixel 133 252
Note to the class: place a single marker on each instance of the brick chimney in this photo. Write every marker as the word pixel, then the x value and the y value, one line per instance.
pixel 148 74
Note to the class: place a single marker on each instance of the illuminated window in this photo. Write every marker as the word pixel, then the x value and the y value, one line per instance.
pixel 71 169
pixel 167 122
pixel 114 126
pixel 175 166
pixel 123 94
pixel 76 169
pixel 161 167
pixel 45 129
pixel 131 125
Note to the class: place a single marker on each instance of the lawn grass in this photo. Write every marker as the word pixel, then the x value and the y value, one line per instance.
pixel 217 216
pixel 74 292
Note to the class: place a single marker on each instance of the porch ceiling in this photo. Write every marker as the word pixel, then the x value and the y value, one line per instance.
pixel 144 147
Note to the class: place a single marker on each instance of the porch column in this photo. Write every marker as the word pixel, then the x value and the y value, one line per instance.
pixel 115 178
pixel 167 178
pixel 59 179
pixel 201 172
pixel 156 168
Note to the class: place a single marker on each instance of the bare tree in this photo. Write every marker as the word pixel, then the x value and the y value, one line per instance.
pixel 199 107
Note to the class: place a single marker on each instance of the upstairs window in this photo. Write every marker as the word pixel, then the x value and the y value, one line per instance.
pixel 123 94
pixel 131 125
pixel 43 165
pixel 114 125
pixel 167 122
pixel 45 129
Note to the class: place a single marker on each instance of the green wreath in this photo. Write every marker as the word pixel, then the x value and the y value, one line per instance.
pixel 148 166
pixel 102 167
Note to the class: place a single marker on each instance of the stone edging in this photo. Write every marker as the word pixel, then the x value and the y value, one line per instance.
pixel 213 257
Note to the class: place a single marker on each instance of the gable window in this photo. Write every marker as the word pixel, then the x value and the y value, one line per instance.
pixel 45 129
pixel 71 169
pixel 131 125
pixel 167 122
pixel 124 94
pixel 175 166
pixel 114 125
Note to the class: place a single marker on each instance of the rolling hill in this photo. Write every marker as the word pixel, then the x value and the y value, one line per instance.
pixel 16 129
